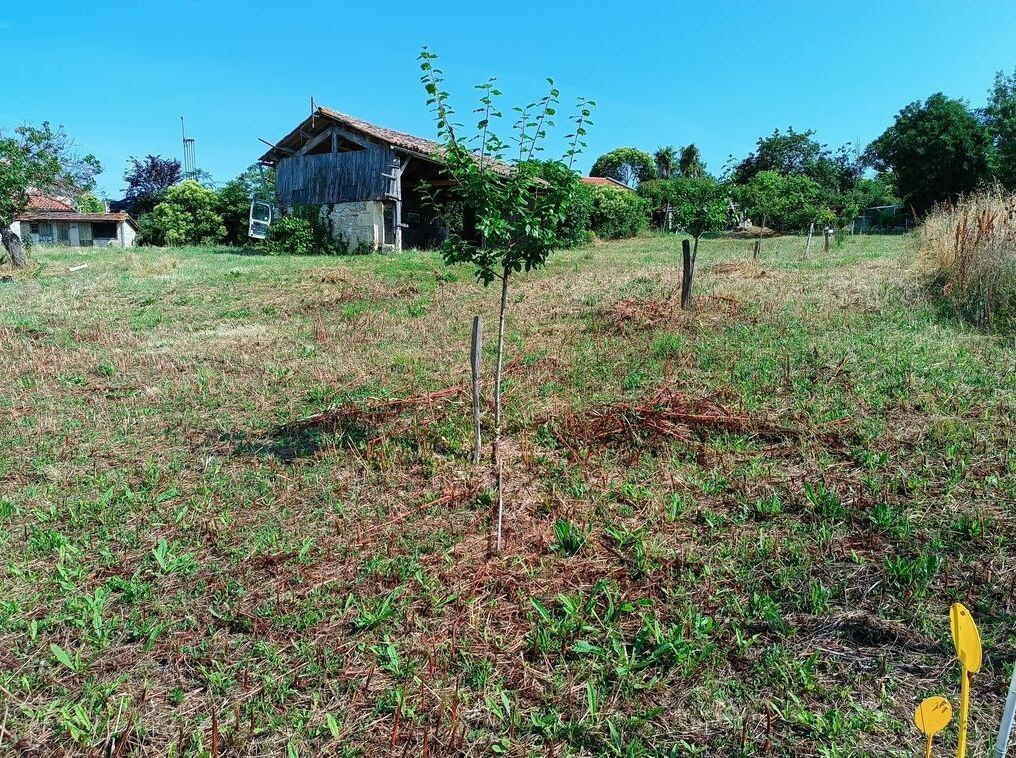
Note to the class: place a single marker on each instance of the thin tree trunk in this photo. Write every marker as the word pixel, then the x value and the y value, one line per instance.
pixel 12 243
pixel 476 348
pixel 496 450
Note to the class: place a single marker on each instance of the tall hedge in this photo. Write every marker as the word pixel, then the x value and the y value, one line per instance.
pixel 618 213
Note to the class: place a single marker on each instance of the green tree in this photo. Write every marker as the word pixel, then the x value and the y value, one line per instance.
pixel 1000 121
pixel 783 203
pixel 628 165
pixel 701 207
pixel 690 163
pixel 867 193
pixel 518 212
pixel 186 215
pixel 666 161
pixel 574 227
pixel 38 158
pixel 89 203
pixel 798 154
pixel 937 150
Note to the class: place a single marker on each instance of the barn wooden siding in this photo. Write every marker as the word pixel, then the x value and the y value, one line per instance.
pixel 334 177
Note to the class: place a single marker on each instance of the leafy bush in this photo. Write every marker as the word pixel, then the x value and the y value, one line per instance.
pixel 291 235
pixel 617 213
pixel 187 215
pixel 697 205
pixel 783 203
pixel 89 203
pixel 968 248
pixel 573 227
pixel 303 232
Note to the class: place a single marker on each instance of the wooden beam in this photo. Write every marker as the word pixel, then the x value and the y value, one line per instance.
pixel 355 138
pixel 275 147
pixel 314 142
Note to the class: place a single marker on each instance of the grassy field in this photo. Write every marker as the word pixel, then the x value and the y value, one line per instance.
pixel 735 531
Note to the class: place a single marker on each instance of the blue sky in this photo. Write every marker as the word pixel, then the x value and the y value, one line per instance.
pixel 118 75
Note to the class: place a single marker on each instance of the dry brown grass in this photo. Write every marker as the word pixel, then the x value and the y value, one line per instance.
pixel 969 247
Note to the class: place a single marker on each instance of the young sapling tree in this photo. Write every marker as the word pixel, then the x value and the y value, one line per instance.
pixel 701 207
pixel 517 212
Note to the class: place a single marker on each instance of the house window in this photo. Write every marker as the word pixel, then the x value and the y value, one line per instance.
pixel 63 234
pixel 105 230
pixel 45 232
pixel 85 234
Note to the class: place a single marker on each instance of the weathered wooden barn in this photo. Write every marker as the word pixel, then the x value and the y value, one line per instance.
pixel 366 179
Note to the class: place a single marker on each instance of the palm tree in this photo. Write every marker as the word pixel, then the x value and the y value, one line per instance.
pixel 666 160
pixel 691 163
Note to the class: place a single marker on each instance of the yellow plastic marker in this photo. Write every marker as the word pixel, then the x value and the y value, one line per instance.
pixel 932 716
pixel 968 649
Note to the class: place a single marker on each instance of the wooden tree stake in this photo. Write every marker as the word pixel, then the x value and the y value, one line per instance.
pixel 687 272
pixel 474 359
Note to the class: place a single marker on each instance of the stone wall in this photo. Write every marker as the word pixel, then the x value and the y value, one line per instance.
pixel 355 223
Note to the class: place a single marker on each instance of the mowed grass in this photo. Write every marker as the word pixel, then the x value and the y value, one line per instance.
pixel 186 572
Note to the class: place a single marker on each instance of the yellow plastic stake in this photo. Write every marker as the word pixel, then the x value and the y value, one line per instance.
pixel 932 716
pixel 968 649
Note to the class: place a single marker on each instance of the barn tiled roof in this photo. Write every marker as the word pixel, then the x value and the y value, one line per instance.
pixel 383 134
pixel 399 140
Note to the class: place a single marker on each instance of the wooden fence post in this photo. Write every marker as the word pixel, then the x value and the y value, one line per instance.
pixel 811 231
pixel 475 349
pixel 827 236
pixel 758 248
pixel 687 272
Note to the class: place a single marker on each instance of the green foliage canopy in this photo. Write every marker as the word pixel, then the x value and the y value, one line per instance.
pixel 89 203
pixel 41 158
pixel 800 154
pixel 618 213
pixel 628 165
pixel 1000 121
pixel 187 215
pixel 666 161
pixel 690 162
pixel 936 150
pixel 783 203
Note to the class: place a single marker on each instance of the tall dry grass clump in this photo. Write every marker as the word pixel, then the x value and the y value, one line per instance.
pixel 970 249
